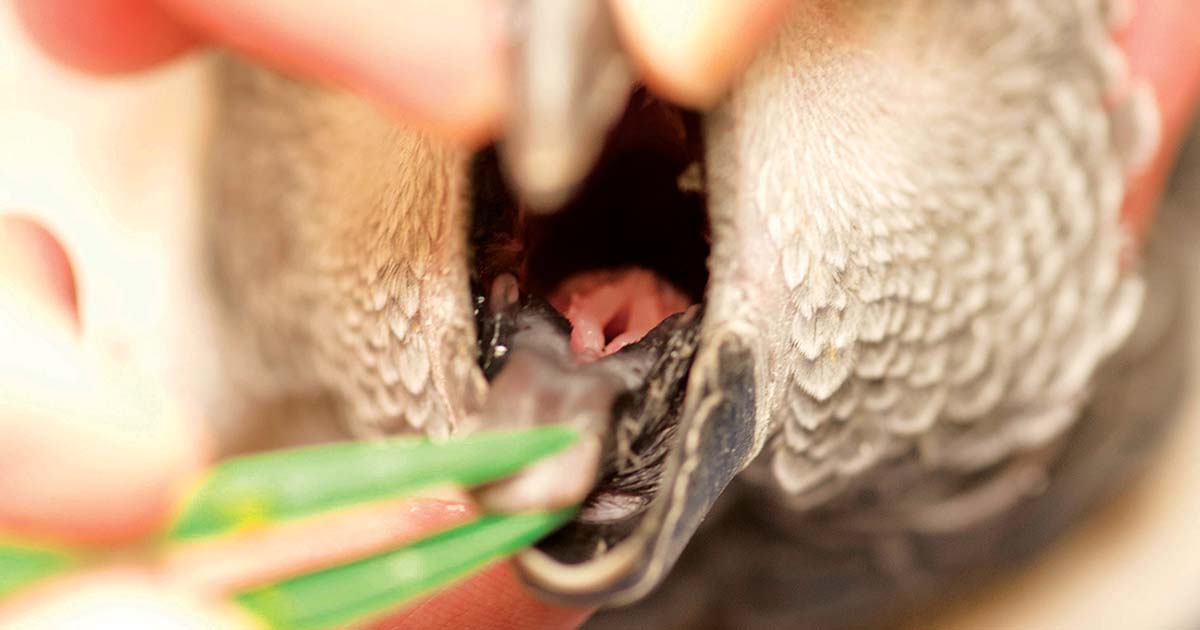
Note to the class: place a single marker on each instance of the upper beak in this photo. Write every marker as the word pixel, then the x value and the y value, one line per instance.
pixel 570 82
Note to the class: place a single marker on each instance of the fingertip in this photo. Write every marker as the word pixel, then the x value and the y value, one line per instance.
pixel 119 598
pixel 494 599
pixel 105 36
pixel 105 474
pixel 437 65
pixel 689 52
pixel 469 114
pixel 663 39
pixel 1162 46
pixel 456 87
pixel 93 451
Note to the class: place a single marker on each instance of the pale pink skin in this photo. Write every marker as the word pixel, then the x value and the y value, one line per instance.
pixel 99 462
pixel 125 35
pixel 610 309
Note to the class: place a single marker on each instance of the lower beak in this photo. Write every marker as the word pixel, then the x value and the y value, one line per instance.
pixel 716 439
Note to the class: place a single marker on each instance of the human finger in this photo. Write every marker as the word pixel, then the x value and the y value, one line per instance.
pixel 689 52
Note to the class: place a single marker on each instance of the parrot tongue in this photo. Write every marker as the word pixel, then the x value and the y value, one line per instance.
pixel 611 309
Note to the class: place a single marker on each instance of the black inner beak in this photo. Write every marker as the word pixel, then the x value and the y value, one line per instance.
pixel 643 206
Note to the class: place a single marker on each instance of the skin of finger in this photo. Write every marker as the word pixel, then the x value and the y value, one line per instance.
pixel 92 451
pixel 105 36
pixel 492 599
pixel 1162 44
pixel 689 52
pixel 182 593
pixel 231 563
pixel 129 599
pixel 437 63
pixel 495 599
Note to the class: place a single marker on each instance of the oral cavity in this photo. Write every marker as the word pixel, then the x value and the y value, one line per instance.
pixel 613 308
pixel 626 253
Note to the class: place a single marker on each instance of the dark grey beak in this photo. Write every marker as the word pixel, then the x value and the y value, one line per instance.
pixel 715 440
pixel 571 80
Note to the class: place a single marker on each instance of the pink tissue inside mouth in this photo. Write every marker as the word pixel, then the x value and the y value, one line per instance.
pixel 610 309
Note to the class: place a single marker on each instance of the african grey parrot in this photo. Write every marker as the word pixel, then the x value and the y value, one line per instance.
pixel 875 284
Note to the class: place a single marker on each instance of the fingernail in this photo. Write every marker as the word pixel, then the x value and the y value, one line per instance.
pixel 689 52
pixel 444 66
pixel 33 257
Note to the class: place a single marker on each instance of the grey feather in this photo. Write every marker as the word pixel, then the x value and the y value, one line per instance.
pixel 915 216
pixel 938 209
pixel 339 256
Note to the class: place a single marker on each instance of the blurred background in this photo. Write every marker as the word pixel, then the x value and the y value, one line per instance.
pixel 111 167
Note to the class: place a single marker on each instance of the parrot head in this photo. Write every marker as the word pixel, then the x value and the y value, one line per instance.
pixel 884 266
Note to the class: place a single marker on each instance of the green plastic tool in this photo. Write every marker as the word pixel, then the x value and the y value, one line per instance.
pixel 22 564
pixel 263 490
pixel 272 487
